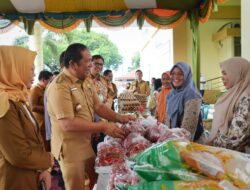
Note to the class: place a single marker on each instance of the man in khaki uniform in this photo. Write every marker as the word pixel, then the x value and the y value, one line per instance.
pixel 139 86
pixel 36 100
pixel 72 101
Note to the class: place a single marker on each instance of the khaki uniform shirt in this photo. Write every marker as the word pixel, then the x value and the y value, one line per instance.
pixel 140 87
pixel 36 97
pixel 68 97
pixel 21 149
pixel 112 90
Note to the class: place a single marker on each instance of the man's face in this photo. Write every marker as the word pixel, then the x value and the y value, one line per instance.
pixel 46 82
pixel 109 77
pixel 97 66
pixel 82 69
pixel 138 75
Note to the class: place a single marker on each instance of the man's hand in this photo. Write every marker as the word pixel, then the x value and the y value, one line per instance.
pixel 113 130
pixel 126 118
pixel 46 178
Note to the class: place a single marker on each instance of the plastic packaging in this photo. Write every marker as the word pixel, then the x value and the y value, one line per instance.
pixel 108 154
pixel 135 143
pixel 163 161
pixel 188 161
pixel 175 134
pixel 174 185
pixel 122 175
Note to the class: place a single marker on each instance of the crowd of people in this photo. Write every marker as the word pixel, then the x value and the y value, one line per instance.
pixel 64 116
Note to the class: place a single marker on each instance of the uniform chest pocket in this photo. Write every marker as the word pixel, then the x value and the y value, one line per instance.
pixel 77 100
pixel 89 95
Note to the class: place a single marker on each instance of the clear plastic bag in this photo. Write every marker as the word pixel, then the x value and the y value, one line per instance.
pixel 175 134
pixel 122 175
pixel 108 154
pixel 135 143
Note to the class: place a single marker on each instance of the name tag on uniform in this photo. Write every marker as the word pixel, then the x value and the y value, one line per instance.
pixel 90 89
pixel 73 89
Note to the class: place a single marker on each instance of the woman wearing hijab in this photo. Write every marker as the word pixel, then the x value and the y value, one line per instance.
pixel 231 121
pixel 23 161
pixel 162 97
pixel 184 102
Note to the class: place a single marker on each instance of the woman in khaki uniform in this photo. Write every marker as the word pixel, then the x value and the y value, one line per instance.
pixel 23 160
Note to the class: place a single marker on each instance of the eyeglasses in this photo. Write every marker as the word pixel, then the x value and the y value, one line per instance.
pixel 165 79
pixel 176 74
pixel 98 64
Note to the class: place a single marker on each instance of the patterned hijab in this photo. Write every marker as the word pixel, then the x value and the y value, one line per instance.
pixel 238 72
pixel 15 65
pixel 177 97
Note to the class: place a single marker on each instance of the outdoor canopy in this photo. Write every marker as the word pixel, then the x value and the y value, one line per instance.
pixel 66 15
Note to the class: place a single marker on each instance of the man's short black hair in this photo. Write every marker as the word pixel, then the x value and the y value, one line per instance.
pixel 138 70
pixel 56 73
pixel 61 58
pixel 44 75
pixel 157 84
pixel 73 53
pixel 106 72
pixel 97 57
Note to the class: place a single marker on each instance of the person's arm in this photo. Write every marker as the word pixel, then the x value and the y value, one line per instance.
pixel 103 111
pixel 34 99
pixel 147 90
pixel 191 116
pixel 167 120
pixel 156 110
pixel 79 124
pixel 66 117
pixel 115 90
pixel 65 112
pixel 133 87
pixel 238 131
pixel 15 147
pixel 37 108
pixel 47 122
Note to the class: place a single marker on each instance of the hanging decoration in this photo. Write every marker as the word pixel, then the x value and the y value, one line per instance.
pixel 7 25
pixel 66 15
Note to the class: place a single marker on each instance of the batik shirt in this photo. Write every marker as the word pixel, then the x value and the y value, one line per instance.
pixel 238 134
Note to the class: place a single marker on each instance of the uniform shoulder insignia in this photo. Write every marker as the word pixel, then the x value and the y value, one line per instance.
pixel 60 79
pixel 103 80
pixel 134 82
pixel 89 80
pixel 102 77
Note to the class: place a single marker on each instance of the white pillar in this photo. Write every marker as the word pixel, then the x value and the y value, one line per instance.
pixel 36 44
pixel 245 29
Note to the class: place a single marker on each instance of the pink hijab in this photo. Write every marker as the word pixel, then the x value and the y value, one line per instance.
pixel 238 71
